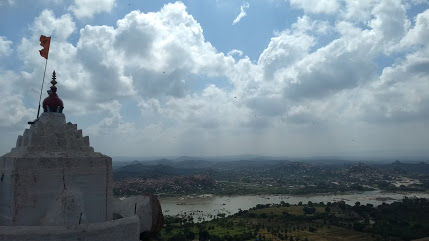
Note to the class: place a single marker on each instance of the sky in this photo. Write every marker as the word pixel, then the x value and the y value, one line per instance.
pixel 294 78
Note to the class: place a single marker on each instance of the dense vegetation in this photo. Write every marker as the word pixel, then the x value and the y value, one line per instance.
pixel 404 220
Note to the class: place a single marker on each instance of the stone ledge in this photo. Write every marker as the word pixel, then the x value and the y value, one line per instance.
pixel 124 229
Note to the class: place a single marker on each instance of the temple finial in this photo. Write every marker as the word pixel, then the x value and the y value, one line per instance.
pixel 54 77
pixel 53 103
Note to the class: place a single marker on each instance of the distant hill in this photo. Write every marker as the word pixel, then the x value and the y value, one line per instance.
pixel 406 167
pixel 151 171
pixel 199 164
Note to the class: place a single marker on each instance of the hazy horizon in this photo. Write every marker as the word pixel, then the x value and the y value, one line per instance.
pixel 407 158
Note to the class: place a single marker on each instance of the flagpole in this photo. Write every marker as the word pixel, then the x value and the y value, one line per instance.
pixel 43 81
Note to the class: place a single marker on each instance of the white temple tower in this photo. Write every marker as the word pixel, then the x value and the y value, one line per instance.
pixel 53 177
pixel 53 186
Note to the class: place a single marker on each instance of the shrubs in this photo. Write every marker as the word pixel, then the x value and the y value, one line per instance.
pixel 309 210
pixel 388 222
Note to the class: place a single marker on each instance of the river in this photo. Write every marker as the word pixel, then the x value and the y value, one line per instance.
pixel 206 207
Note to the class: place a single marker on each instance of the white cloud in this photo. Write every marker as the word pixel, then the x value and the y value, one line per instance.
pixel 419 34
pixel 284 50
pixel 204 110
pixel 112 120
pixel 292 45
pixel 390 20
pixel 242 13
pixel 11 102
pixel 358 10
pixel 88 8
pixel 235 52
pixel 5 46
pixel 316 6
pixel 400 93
pixel 59 28
pixel 305 24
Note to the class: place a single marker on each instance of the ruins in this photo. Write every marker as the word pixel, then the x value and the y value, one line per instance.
pixel 54 186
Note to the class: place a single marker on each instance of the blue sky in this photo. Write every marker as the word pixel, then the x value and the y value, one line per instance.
pixel 289 77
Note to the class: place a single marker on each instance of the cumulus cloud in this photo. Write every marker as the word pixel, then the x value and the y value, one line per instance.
pixel 146 54
pixel 88 8
pixel 340 81
pixel 242 13
pixel 401 88
pixel 390 20
pixel 315 80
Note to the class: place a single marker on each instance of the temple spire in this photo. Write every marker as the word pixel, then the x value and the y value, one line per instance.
pixel 54 77
pixel 54 82
pixel 53 103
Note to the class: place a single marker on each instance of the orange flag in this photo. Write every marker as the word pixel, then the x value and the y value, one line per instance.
pixel 44 42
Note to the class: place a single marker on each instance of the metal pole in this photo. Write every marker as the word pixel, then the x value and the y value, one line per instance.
pixel 43 81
